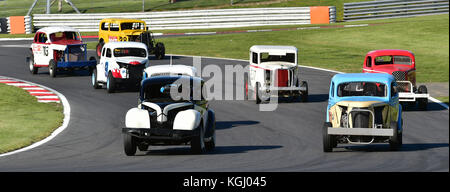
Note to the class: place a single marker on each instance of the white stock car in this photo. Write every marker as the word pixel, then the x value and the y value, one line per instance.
pixel 120 62
pixel 58 48
pixel 166 117
pixel 273 72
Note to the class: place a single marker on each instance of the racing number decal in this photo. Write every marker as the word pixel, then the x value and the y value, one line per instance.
pixel 106 69
pixel 45 50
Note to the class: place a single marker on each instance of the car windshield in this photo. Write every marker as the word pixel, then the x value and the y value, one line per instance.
pixel 171 91
pixel 67 35
pixel 289 57
pixel 353 89
pixel 130 52
pixel 132 26
pixel 395 59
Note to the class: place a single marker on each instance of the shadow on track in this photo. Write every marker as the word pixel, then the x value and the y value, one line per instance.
pixel 219 150
pixel 231 124
pixel 405 147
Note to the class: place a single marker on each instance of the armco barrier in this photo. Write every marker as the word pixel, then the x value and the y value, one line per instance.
pixel 3 26
pixel 192 19
pixel 393 9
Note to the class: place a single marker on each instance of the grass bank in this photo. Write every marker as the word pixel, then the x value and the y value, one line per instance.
pixel 23 120
pixel 341 49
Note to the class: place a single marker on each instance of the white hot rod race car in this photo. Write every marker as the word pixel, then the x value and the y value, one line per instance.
pixel 273 72
pixel 120 63
pixel 58 48
pixel 172 110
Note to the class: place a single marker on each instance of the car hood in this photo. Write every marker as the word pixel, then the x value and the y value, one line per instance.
pixel 361 102
pixel 391 68
pixel 277 65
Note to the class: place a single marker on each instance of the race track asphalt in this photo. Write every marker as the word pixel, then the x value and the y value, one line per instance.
pixel 288 139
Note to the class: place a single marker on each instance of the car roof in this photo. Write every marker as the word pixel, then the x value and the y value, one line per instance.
pixel 50 30
pixel 382 52
pixel 120 20
pixel 274 49
pixel 125 44
pixel 363 77
pixel 172 69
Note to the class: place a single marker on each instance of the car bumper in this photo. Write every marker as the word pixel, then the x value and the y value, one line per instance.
pixel 76 64
pixel 161 134
pixel 411 97
pixel 361 131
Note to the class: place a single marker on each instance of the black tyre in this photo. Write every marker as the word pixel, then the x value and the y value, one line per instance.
pixel 160 51
pixel 257 93
pixel 33 69
pixel 327 139
pixel 395 141
pixel 91 68
pixel 111 83
pixel 52 68
pixel 304 93
pixel 94 79
pixel 422 102
pixel 197 142
pixel 99 48
pixel 129 145
pixel 211 143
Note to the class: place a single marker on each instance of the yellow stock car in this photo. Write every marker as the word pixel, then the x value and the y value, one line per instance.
pixel 115 30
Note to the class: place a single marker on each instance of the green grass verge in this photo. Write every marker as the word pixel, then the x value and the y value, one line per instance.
pixel 443 100
pixel 23 120
pixel 341 49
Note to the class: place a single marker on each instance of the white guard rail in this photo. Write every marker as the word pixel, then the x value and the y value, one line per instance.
pixel 193 19
pixel 383 9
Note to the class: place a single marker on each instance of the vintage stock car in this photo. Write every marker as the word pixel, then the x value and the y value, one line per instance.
pixel 363 109
pixel 120 63
pixel 273 72
pixel 402 65
pixel 58 48
pixel 121 29
pixel 172 110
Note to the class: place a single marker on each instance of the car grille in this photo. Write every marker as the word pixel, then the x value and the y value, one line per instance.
pixel 399 75
pixel 282 78
pixel 135 71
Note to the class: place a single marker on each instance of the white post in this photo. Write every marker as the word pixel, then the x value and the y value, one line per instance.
pixel 48 6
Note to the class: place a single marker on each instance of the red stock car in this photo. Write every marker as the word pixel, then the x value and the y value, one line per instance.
pixel 401 64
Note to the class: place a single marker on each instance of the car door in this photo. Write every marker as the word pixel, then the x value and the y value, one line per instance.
pixel 40 50
pixel 102 67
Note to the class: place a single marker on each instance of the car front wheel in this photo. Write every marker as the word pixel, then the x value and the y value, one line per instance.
pixel 129 145
pixel 33 69
pixel 197 142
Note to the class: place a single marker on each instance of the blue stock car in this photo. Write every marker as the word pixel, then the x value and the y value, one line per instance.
pixel 363 109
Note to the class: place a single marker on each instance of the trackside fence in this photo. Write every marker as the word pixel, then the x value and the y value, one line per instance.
pixel 193 19
pixel 383 9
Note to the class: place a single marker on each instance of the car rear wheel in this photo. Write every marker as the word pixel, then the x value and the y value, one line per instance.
pixel 33 69
pixel 99 48
pixel 110 83
pixel 94 79
pixel 160 51
pixel 52 68
pixel 422 102
pixel 304 93
pixel 257 93
pixel 129 145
